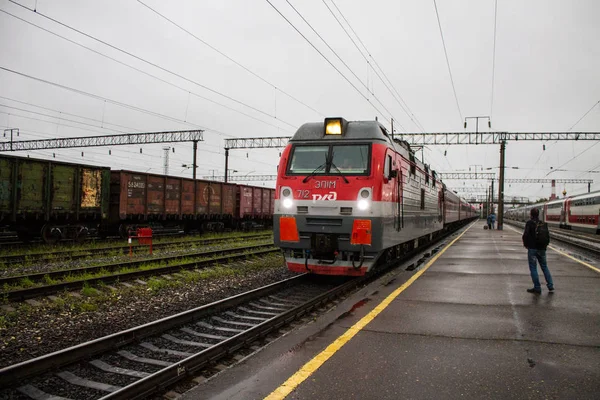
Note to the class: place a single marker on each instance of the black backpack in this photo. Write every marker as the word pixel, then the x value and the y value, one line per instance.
pixel 542 235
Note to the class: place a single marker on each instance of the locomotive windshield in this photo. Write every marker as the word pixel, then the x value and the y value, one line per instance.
pixel 330 160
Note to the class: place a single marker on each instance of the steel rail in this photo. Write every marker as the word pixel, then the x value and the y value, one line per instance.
pixel 82 253
pixel 62 273
pixel 37 291
pixel 169 375
pixel 159 380
pixel 36 366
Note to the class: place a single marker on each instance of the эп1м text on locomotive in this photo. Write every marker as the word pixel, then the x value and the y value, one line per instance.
pixel 348 195
pixel 57 200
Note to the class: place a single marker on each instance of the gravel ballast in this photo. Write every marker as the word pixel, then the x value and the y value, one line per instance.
pixel 32 331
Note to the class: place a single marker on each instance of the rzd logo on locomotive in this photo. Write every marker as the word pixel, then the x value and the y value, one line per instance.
pixel 326 196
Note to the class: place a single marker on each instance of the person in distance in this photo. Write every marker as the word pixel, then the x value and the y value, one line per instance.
pixel 536 238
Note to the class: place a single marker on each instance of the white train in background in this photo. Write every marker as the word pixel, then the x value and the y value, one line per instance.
pixel 580 213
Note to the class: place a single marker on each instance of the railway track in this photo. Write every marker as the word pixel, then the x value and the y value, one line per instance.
pixel 139 362
pixel 134 270
pixel 73 254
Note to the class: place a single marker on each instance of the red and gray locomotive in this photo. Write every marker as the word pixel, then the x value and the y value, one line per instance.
pixel 349 195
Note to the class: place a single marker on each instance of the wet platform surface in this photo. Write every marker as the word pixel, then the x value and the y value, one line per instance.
pixel 466 328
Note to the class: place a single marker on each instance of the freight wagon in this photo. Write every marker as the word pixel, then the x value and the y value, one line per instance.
pixel 57 200
pixel 138 199
pixel 52 199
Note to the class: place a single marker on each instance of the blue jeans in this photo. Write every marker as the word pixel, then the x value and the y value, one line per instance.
pixel 534 255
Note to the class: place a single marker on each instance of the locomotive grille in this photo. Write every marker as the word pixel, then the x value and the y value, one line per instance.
pixel 324 221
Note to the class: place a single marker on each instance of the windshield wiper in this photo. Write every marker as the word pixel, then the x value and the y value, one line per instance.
pixel 340 172
pixel 320 167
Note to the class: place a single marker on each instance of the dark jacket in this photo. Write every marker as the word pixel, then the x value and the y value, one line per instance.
pixel 529 234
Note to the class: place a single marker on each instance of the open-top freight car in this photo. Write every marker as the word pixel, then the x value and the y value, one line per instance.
pixel 138 199
pixel 52 199
pixel 68 201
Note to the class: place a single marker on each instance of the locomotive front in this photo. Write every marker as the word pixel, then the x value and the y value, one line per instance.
pixel 326 216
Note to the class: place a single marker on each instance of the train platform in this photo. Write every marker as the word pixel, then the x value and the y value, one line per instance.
pixel 462 326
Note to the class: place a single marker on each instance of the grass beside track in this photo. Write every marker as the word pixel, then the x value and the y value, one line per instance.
pixel 27 327
pixel 124 267
pixel 120 243
pixel 14 262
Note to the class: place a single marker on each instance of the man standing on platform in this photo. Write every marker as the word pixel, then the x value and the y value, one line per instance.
pixel 536 238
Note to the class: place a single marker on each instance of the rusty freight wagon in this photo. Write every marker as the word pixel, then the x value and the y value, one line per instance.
pixel 54 200
pixel 139 199
pixel 255 205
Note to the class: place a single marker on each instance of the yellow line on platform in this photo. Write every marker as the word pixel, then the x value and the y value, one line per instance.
pixel 569 256
pixel 575 259
pixel 310 367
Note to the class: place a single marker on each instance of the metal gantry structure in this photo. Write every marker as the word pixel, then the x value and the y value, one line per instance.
pixel 107 140
pixel 447 138
pixel 462 138
pixel 252 143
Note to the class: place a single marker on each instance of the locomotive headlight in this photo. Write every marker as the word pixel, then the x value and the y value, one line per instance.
pixel 287 197
pixel 363 204
pixel 364 199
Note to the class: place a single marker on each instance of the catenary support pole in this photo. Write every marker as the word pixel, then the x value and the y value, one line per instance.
pixel 195 166
pixel 501 186
pixel 492 197
pixel 226 163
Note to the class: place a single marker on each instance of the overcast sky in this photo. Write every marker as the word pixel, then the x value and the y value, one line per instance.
pixel 249 73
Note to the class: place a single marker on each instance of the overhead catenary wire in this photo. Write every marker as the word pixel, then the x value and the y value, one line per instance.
pixel 154 65
pixel 583 116
pixel 230 59
pixel 448 62
pixel 574 157
pixel 328 61
pixel 62 119
pixel 387 82
pixel 493 59
pixel 98 97
pixel 341 60
pixel 141 71
pixel 372 91
pixel 66 113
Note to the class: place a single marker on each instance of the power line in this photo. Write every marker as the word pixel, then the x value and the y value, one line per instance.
pixel 155 65
pixel 574 157
pixel 575 124
pixel 494 58
pixel 355 45
pixel 98 97
pixel 230 59
pixel 54 122
pixel 339 58
pixel 66 113
pixel 387 84
pixel 326 59
pixel 140 71
pixel 60 118
pixel 447 61
pixel 584 115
